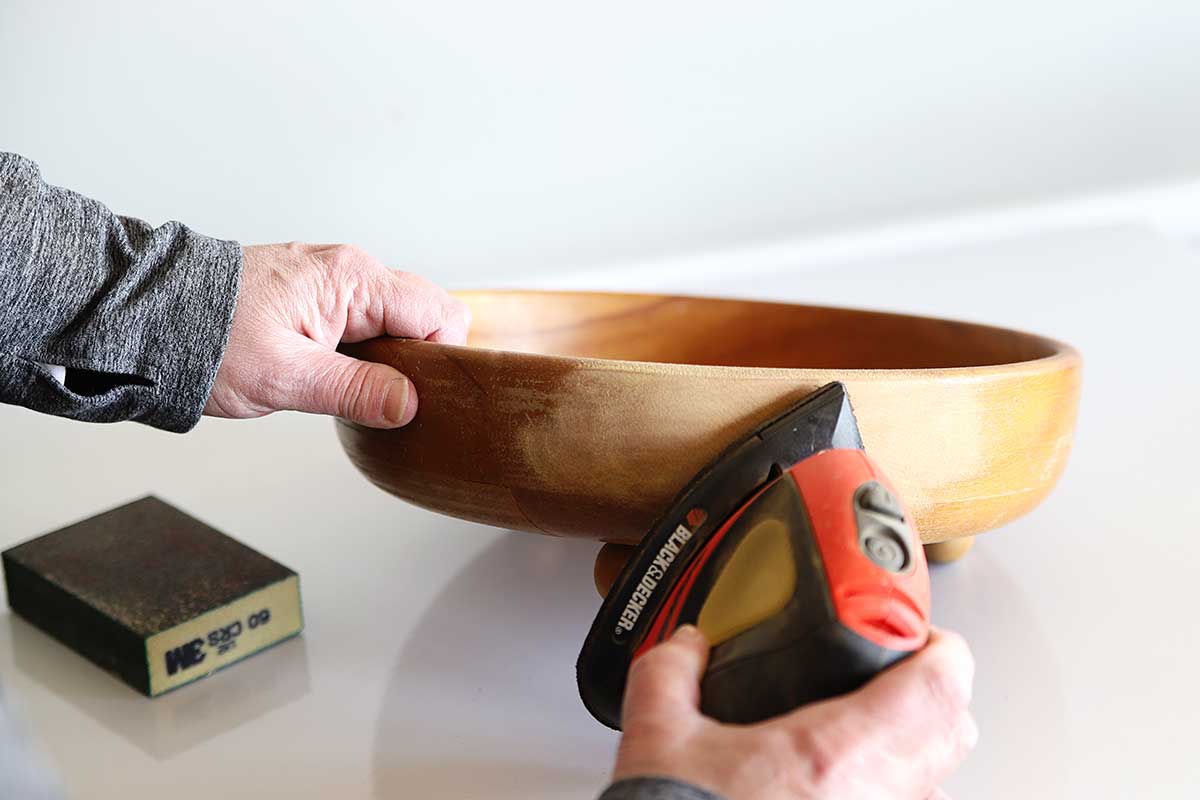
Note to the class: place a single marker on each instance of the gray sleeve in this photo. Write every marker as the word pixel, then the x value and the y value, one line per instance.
pixel 655 789
pixel 139 316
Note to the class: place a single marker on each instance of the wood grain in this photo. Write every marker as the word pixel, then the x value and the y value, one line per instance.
pixel 582 414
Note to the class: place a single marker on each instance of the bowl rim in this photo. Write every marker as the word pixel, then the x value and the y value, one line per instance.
pixel 1062 356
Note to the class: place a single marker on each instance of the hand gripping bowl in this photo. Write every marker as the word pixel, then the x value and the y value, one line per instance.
pixel 582 414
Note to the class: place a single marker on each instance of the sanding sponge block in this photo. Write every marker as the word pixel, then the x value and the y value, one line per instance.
pixel 153 595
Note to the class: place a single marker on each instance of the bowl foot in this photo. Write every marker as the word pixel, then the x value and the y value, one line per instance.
pixel 949 550
pixel 609 563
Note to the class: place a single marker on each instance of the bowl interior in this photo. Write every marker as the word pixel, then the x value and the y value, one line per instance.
pixel 719 332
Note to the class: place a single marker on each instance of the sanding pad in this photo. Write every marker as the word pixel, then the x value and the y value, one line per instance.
pixel 152 594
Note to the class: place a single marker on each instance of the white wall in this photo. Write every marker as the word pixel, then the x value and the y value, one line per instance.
pixel 478 141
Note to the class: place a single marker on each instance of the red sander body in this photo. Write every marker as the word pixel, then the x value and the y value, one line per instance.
pixel 794 556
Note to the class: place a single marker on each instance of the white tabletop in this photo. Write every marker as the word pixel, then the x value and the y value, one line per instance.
pixel 438 658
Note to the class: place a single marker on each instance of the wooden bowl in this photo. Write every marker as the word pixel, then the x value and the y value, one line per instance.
pixel 582 414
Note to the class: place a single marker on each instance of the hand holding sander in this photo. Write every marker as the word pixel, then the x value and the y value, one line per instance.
pixel 792 554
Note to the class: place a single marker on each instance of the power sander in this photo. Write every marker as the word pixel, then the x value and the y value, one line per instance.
pixel 793 555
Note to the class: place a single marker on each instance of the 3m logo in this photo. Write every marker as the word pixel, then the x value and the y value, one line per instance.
pixel 184 656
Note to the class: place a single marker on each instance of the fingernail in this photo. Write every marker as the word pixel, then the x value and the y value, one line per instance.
pixel 688 634
pixel 396 403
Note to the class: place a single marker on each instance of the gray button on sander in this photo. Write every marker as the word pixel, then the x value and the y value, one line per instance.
pixel 886 548
pixel 883 535
pixel 878 499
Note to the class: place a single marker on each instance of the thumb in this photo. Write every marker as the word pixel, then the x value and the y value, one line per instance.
pixel 364 392
pixel 665 682
pixel 913 717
